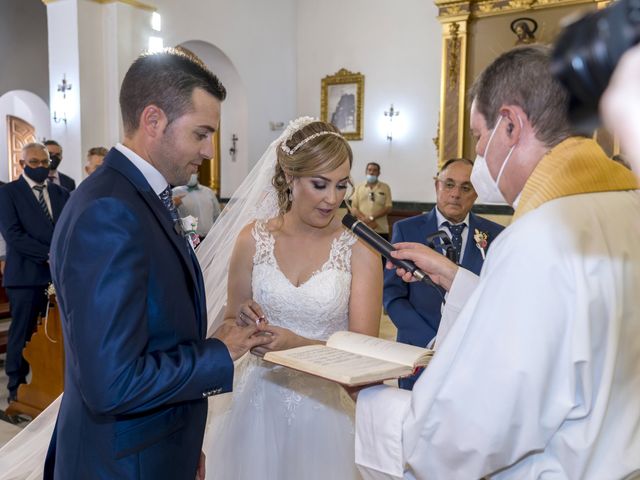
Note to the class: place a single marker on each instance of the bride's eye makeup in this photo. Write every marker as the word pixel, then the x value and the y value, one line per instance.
pixel 341 186
pixel 319 185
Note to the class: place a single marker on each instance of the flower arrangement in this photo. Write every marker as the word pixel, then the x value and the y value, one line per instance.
pixel 189 225
pixel 481 239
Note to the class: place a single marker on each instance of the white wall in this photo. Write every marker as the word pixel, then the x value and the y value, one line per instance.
pixel 397 46
pixel 259 40
pixel 234 115
pixel 29 107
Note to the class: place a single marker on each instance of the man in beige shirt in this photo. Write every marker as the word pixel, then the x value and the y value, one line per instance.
pixel 371 201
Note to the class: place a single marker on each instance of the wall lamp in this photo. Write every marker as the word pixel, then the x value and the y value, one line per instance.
pixel 63 88
pixel 390 114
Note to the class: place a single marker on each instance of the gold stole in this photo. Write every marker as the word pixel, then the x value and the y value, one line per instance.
pixel 576 165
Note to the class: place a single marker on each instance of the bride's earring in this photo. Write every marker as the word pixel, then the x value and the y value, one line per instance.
pixel 290 197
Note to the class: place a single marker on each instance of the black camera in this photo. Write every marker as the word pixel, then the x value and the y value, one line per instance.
pixel 586 54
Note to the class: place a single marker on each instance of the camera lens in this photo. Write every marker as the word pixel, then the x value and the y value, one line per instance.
pixel 586 54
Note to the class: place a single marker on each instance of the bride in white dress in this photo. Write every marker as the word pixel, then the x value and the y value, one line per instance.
pixel 310 278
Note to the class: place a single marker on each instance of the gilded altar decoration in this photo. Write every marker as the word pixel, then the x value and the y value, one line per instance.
pixel 453 55
pixel 342 102
pixel 481 238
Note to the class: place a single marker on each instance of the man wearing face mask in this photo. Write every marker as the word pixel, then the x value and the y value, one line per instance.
pixel 371 201
pixel 198 201
pixel 59 178
pixel 415 308
pixel 536 367
pixel 29 208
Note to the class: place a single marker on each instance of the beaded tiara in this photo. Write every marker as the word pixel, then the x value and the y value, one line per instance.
pixel 296 125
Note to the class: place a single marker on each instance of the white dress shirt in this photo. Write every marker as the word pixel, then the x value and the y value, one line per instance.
pixel 151 174
pixel 538 377
pixel 465 233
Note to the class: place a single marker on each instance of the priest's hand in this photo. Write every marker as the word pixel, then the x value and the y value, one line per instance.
pixel 239 340
pixel 354 391
pixel 439 268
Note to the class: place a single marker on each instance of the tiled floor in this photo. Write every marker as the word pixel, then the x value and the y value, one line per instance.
pixel 7 430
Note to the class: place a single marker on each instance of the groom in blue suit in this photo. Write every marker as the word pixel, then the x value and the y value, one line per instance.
pixel 132 302
pixel 415 307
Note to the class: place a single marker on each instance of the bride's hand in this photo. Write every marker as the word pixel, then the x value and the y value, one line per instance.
pixel 250 313
pixel 281 339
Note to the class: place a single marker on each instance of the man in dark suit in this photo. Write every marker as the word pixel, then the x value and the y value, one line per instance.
pixel 29 208
pixel 132 301
pixel 59 178
pixel 414 307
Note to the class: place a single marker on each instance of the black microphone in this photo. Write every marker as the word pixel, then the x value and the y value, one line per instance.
pixel 444 244
pixel 383 247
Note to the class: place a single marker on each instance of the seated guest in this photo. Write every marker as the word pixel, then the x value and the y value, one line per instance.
pixel 29 208
pixel 95 157
pixel 59 178
pixel 414 308
pixel 198 201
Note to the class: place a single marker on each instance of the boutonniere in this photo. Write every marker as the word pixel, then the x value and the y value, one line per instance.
pixel 189 226
pixel 481 241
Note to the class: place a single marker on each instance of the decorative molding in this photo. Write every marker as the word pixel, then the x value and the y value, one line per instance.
pixel 453 55
pixel 132 3
pixel 449 10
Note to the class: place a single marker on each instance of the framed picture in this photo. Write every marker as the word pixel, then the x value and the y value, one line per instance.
pixel 342 102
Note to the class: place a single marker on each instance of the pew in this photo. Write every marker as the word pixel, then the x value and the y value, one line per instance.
pixel 45 354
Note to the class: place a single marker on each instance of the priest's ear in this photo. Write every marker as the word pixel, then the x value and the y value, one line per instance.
pixel 513 115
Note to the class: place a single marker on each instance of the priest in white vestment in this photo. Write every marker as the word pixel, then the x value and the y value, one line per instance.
pixel 537 367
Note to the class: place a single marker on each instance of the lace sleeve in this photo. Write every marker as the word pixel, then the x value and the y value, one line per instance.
pixel 340 258
pixel 264 243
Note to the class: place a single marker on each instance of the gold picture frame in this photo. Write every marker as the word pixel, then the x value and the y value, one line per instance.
pixel 342 102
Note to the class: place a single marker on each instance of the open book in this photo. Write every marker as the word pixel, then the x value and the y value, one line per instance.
pixel 354 359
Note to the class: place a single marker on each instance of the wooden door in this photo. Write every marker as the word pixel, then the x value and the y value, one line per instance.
pixel 19 133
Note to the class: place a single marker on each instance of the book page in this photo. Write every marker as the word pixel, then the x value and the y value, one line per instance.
pixel 379 348
pixel 338 365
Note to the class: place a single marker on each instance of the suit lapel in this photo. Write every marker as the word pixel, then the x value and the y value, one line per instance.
pixel 116 160
pixel 32 201
pixel 472 258
pixel 430 224
pixel 56 202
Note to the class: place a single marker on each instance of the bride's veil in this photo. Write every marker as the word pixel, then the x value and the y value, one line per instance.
pixel 22 458
pixel 255 199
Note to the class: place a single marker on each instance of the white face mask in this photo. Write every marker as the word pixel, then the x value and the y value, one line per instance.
pixel 193 180
pixel 486 187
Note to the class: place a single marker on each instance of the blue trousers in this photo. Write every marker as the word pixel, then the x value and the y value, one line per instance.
pixel 26 304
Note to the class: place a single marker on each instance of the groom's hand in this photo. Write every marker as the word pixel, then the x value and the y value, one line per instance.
pixel 239 340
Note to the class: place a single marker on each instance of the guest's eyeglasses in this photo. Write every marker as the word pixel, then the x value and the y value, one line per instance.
pixel 34 163
pixel 466 188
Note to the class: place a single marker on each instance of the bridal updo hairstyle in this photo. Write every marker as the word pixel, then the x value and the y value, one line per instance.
pixel 302 156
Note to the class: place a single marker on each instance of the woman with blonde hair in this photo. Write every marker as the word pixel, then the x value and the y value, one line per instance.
pixel 298 268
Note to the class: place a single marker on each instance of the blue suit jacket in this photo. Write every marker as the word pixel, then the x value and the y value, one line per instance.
pixel 67 182
pixel 415 308
pixel 27 232
pixel 138 368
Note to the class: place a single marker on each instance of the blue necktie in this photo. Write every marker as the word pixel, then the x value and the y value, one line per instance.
pixel 42 202
pixel 167 201
pixel 456 236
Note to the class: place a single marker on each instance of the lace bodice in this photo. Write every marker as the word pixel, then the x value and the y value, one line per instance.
pixel 318 307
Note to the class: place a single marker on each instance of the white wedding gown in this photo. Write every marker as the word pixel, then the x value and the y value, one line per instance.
pixel 279 424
